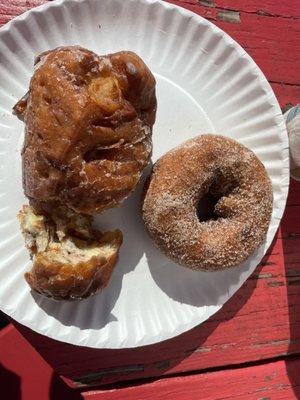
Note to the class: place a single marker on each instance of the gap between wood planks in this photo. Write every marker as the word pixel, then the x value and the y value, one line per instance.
pixel 285 84
pixel 142 381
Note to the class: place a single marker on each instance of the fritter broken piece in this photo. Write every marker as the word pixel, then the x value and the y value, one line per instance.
pixel 70 259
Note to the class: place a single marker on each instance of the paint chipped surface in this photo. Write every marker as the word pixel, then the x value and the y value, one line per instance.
pixel 229 16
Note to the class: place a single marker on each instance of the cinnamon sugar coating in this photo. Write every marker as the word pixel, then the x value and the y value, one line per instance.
pixel 228 171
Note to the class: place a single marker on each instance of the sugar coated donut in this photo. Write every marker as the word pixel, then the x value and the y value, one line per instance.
pixel 239 191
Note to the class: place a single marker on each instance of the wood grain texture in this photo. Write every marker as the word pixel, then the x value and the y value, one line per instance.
pixel 274 380
pixel 11 8
pixel 262 321
pixel 264 382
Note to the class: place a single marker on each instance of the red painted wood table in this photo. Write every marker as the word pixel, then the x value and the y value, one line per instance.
pixel 248 350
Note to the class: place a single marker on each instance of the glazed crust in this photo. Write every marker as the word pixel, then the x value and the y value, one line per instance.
pixel 70 260
pixel 73 281
pixel 234 176
pixel 88 128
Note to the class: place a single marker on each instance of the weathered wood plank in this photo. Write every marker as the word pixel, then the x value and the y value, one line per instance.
pixel 11 8
pixel 259 35
pixel 274 380
pixel 284 9
pixel 277 381
pixel 287 95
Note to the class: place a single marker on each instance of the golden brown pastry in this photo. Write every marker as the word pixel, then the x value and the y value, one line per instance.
pixel 88 124
pixel 241 199
pixel 70 260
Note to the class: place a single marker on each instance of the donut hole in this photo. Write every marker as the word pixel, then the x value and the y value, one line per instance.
pixel 43 173
pixel 219 188
pixel 206 207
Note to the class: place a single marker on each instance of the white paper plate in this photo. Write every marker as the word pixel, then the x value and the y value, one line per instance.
pixel 205 83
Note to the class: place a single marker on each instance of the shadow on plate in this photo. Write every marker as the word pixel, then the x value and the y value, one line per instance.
pixel 208 288
pixel 105 366
pixel 132 249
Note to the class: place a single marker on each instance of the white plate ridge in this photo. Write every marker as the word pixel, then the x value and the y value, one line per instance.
pixel 205 83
